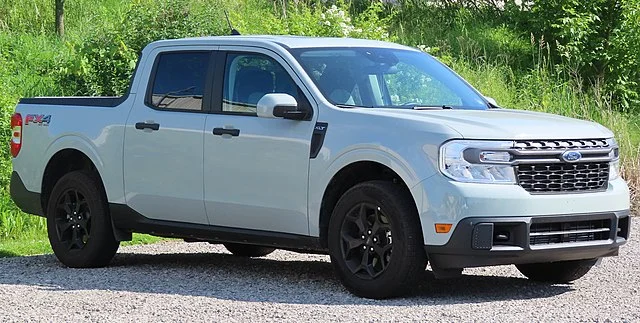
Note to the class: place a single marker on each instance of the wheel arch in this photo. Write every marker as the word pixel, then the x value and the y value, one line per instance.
pixel 376 166
pixel 62 162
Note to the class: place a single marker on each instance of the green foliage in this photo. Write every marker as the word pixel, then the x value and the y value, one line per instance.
pixel 27 245
pixel 103 63
pixel 595 40
pixel 576 58
pixel 257 17
pixel 459 32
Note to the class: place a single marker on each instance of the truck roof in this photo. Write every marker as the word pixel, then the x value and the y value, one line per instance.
pixel 285 41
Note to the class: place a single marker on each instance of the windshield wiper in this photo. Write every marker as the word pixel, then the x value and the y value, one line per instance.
pixel 414 107
pixel 432 107
pixel 349 106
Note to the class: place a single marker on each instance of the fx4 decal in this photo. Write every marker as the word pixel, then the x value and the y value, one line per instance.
pixel 39 119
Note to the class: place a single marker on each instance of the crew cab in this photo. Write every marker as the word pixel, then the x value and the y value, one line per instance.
pixel 372 152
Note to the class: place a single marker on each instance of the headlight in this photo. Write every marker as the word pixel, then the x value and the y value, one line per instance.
pixel 614 165
pixel 477 161
pixel 614 169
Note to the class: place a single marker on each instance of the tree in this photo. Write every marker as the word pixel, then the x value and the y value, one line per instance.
pixel 60 17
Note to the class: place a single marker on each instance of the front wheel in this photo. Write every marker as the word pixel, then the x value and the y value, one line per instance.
pixel 78 222
pixel 557 272
pixel 375 240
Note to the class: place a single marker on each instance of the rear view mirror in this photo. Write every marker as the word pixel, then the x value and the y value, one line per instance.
pixel 280 105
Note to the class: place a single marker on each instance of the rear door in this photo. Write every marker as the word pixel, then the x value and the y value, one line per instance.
pixel 163 150
pixel 256 169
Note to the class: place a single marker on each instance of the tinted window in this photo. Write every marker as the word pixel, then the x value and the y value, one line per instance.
pixel 248 77
pixel 180 80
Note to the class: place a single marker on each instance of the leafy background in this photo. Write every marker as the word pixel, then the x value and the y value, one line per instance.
pixel 571 57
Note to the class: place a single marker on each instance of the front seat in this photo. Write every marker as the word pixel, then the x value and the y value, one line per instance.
pixel 337 84
pixel 252 84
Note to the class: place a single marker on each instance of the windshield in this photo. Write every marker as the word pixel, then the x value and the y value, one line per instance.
pixel 386 78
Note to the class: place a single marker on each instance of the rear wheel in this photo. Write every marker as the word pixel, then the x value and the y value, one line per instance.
pixel 247 250
pixel 557 272
pixel 375 240
pixel 78 222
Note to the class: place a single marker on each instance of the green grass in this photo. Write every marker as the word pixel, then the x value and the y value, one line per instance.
pixel 39 244
pixel 23 234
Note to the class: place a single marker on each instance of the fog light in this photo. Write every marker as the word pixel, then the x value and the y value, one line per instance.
pixel 501 236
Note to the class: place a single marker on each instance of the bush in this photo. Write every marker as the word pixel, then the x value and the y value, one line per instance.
pixel 597 41
pixel 103 63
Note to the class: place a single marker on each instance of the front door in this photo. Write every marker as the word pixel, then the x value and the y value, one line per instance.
pixel 256 169
pixel 163 154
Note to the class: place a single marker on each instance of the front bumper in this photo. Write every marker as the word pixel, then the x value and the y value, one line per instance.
pixel 518 240
pixel 440 200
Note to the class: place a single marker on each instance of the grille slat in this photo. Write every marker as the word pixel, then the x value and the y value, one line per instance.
pixel 567 232
pixel 541 170
pixel 561 144
pixel 563 177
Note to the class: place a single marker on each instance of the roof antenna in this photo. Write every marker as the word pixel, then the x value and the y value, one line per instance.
pixel 234 32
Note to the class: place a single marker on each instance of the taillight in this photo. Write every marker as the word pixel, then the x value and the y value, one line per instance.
pixel 16 134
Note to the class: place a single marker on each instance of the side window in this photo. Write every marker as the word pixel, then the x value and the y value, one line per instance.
pixel 248 77
pixel 179 81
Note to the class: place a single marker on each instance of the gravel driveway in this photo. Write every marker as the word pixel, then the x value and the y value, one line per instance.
pixel 176 281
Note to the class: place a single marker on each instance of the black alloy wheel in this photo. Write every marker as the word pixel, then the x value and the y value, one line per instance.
pixel 73 219
pixel 375 240
pixel 79 222
pixel 366 240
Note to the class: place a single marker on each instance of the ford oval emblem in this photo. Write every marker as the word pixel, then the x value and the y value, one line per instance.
pixel 571 156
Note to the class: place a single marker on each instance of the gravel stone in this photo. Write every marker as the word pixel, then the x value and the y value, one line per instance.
pixel 198 282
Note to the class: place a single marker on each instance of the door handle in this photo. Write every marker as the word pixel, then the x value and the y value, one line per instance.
pixel 145 125
pixel 223 131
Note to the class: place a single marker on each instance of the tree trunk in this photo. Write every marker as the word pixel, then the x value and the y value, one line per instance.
pixel 284 9
pixel 60 17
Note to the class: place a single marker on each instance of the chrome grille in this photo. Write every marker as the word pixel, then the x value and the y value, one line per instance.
pixel 563 177
pixel 561 144
pixel 566 232
pixel 541 168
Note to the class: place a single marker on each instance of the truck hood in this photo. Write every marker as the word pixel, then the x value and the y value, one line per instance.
pixel 503 123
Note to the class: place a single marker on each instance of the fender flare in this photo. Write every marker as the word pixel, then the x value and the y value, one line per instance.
pixel 387 158
pixel 74 142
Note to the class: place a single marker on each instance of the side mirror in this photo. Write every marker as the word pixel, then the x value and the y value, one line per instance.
pixel 279 105
pixel 491 101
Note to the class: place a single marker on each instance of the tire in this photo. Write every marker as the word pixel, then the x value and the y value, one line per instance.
pixel 557 272
pixel 390 259
pixel 87 240
pixel 247 250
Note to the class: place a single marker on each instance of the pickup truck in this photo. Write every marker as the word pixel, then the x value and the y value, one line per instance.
pixel 372 152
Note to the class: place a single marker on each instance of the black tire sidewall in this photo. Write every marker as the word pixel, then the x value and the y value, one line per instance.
pixel 101 244
pixel 407 252
pixel 557 272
